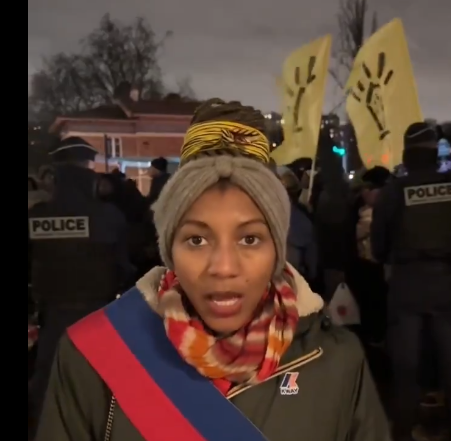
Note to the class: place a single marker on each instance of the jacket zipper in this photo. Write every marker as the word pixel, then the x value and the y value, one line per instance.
pixel 109 421
pixel 301 361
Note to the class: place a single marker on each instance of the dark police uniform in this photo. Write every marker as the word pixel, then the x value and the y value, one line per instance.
pixel 78 253
pixel 411 231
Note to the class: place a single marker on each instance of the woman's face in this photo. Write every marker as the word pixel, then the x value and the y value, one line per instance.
pixel 224 257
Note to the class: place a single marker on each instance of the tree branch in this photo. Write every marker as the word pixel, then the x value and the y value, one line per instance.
pixel 352 19
pixel 111 55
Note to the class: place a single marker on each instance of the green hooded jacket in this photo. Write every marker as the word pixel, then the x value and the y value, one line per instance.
pixel 336 399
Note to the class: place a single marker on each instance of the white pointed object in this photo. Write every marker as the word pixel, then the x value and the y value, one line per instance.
pixel 343 309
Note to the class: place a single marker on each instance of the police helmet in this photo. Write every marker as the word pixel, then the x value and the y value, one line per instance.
pixel 421 134
pixel 73 149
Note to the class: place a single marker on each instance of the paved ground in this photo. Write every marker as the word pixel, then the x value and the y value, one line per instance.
pixel 431 421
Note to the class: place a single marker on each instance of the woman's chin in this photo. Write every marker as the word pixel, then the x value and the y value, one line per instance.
pixel 224 326
pixel 224 317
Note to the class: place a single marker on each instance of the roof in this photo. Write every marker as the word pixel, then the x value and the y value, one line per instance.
pixel 166 107
pixel 113 111
pixel 118 111
pixel 128 109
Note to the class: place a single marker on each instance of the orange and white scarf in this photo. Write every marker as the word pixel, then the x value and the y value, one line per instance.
pixel 250 355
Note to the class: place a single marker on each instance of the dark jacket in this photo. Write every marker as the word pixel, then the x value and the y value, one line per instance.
pixel 79 263
pixel 158 182
pixel 127 197
pixel 337 399
pixel 332 222
pixel 302 250
pixel 418 286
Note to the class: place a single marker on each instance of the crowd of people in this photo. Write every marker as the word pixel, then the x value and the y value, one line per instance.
pixel 239 260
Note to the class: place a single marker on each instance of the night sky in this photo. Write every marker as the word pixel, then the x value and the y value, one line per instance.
pixel 234 48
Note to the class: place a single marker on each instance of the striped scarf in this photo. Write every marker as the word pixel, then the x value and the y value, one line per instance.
pixel 250 355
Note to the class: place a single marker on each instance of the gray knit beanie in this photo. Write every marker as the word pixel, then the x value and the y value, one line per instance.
pixel 198 175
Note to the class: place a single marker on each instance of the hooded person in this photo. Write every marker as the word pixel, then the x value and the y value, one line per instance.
pixel 226 342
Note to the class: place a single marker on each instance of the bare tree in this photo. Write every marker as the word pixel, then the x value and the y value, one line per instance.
pixel 112 54
pixel 39 143
pixel 59 88
pixel 355 24
pixel 115 53
pixel 185 89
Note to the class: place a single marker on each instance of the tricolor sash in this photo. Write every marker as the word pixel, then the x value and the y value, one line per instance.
pixel 164 398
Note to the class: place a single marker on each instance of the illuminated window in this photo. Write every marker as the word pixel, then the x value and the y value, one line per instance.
pixel 114 147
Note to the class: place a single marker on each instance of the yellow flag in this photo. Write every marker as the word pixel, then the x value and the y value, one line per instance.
pixel 303 84
pixel 284 152
pixel 383 100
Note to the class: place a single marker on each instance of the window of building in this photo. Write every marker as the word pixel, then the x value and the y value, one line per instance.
pixel 114 147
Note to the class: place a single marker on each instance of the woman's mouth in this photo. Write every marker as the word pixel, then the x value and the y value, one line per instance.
pixel 226 302
pixel 224 305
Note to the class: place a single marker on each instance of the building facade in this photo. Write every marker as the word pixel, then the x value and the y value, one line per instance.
pixel 130 133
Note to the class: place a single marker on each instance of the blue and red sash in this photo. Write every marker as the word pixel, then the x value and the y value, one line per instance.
pixel 163 396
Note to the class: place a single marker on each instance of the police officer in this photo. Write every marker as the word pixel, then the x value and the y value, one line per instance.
pixel 78 252
pixel 411 231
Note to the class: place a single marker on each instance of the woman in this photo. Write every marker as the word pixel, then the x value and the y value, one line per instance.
pixel 227 342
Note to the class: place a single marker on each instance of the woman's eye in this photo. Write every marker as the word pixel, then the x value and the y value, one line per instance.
pixel 250 240
pixel 196 241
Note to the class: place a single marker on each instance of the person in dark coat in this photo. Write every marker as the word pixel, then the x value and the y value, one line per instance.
pixel 411 232
pixel 331 214
pixel 368 281
pixel 124 194
pixel 77 253
pixel 158 172
pixel 302 251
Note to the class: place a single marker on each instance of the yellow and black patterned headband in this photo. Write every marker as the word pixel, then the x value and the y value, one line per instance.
pixel 218 135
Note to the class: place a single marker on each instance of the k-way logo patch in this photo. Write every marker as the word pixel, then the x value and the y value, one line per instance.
pixel 289 385
pixel 75 227
pixel 427 194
